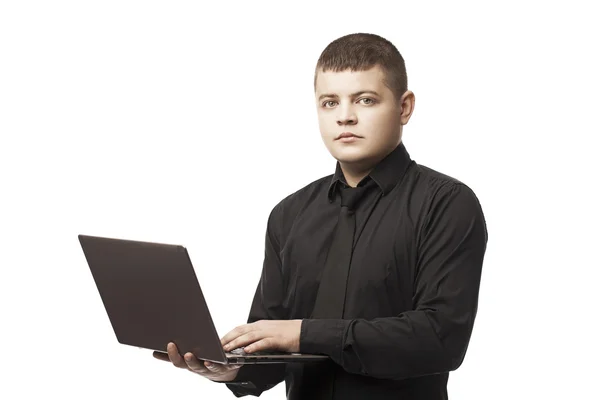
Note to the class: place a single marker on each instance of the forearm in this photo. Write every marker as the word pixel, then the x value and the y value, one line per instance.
pixel 401 347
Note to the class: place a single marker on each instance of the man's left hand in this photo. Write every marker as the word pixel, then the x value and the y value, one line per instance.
pixel 265 335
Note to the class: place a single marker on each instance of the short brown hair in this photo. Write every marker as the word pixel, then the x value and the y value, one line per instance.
pixel 362 51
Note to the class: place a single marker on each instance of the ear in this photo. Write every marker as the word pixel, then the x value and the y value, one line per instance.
pixel 407 106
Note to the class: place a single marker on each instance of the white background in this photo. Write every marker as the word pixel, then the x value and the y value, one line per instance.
pixel 186 123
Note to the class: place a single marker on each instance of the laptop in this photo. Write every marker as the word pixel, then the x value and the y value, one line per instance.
pixel 152 297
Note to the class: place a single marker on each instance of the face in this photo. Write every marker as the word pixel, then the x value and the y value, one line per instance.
pixel 361 105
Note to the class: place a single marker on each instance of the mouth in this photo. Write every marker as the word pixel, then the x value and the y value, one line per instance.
pixel 347 136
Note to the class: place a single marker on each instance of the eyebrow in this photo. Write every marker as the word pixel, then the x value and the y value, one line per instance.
pixel 352 95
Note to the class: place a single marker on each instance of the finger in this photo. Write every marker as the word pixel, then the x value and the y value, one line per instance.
pixel 212 367
pixel 245 340
pixel 261 345
pixel 175 357
pixel 220 368
pixel 240 330
pixel 193 363
pixel 161 355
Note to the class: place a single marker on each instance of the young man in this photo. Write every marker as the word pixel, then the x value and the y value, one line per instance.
pixel 377 266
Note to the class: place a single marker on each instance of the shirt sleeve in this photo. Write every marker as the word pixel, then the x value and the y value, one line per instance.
pixel 432 337
pixel 255 379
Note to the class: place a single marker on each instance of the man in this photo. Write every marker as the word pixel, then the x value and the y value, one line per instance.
pixel 394 305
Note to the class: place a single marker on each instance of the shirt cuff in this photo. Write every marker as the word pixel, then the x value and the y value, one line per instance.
pixel 323 336
pixel 253 379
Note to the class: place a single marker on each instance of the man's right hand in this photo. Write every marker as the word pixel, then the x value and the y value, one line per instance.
pixel 213 371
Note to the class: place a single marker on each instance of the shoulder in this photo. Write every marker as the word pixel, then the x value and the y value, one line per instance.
pixel 434 185
pixel 433 179
pixel 293 203
pixel 446 200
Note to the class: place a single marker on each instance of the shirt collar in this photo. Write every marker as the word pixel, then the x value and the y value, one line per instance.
pixel 387 173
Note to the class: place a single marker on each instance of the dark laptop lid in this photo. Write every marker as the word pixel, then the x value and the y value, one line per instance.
pixel 152 296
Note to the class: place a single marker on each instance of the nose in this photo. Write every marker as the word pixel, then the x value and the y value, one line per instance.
pixel 346 116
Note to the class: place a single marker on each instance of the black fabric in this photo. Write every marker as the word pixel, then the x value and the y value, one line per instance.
pixel 333 283
pixel 411 291
pixel 332 288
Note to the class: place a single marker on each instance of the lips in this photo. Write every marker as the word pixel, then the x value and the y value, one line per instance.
pixel 346 135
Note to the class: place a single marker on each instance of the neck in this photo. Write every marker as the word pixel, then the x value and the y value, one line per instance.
pixel 354 174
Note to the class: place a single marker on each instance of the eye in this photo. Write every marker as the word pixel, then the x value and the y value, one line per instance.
pixel 371 101
pixel 327 102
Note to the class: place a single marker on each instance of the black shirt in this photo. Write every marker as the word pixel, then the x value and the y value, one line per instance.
pixel 412 290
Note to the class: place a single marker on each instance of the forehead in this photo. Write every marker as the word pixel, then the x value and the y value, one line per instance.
pixel 347 81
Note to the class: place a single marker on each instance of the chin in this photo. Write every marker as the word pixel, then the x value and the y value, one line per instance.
pixel 350 155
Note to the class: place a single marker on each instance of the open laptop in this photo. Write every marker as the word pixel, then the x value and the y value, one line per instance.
pixel 152 297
